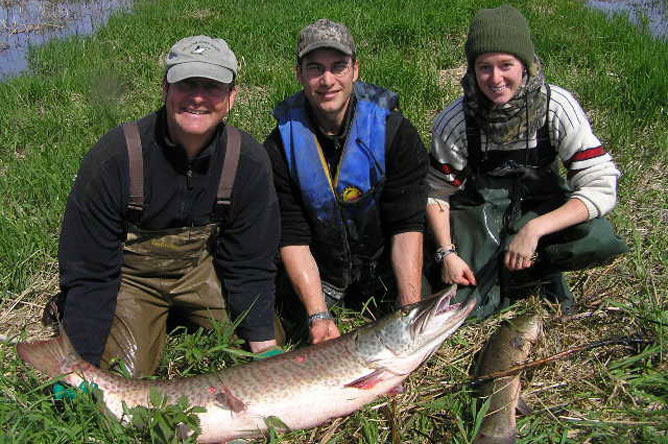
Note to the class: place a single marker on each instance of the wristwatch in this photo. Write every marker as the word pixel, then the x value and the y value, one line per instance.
pixel 320 315
pixel 444 251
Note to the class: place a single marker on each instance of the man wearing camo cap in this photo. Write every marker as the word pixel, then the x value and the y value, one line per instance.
pixel 349 171
pixel 173 213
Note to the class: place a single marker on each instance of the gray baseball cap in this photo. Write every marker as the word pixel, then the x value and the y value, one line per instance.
pixel 325 34
pixel 201 56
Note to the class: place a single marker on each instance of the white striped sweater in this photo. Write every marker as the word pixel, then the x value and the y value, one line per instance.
pixel 592 175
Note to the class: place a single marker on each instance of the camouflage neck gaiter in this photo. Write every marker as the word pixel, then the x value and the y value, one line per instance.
pixel 515 120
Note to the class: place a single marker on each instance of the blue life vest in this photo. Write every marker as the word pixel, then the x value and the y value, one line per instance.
pixel 346 230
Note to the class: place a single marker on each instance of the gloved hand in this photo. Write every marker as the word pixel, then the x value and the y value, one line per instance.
pixel 62 391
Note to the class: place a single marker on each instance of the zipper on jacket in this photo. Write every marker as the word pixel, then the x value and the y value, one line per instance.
pixel 189 177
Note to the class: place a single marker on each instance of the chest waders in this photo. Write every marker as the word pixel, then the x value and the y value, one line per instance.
pixel 165 270
pixel 504 192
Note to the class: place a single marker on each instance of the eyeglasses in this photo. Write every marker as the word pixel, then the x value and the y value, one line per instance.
pixel 209 87
pixel 338 69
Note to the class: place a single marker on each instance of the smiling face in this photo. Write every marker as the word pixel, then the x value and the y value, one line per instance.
pixel 195 107
pixel 328 76
pixel 499 76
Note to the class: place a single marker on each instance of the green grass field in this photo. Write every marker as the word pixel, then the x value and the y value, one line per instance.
pixel 82 87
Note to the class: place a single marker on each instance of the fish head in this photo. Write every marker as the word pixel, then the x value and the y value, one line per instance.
pixel 407 337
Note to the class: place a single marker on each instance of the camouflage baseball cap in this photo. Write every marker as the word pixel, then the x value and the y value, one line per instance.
pixel 325 34
pixel 201 56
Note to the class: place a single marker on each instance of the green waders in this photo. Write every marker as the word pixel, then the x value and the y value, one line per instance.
pixel 490 211
pixel 162 271
pixel 499 198
pixel 166 270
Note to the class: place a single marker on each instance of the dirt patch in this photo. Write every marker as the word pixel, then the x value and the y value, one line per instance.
pixel 452 77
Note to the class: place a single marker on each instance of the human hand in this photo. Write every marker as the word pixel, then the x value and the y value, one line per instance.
pixel 521 253
pixel 323 330
pixel 261 346
pixel 455 270
pixel 268 353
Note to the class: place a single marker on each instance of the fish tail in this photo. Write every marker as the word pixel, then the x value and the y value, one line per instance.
pixel 54 357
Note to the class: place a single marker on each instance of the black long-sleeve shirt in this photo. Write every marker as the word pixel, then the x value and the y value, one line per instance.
pixel 178 193
pixel 404 197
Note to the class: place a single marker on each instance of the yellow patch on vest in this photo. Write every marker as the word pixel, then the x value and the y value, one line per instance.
pixel 351 194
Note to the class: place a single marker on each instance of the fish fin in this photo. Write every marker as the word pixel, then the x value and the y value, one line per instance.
pixel 369 381
pixel 522 407
pixel 484 439
pixel 276 423
pixel 397 389
pixel 183 432
pixel 54 357
pixel 229 399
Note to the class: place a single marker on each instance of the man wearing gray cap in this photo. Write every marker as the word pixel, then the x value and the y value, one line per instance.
pixel 349 171
pixel 173 213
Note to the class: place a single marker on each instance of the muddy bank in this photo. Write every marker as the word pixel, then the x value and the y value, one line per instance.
pixel 25 23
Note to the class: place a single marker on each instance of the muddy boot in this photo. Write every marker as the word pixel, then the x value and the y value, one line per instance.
pixel 556 289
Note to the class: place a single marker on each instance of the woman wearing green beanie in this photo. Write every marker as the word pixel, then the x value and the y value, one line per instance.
pixel 503 218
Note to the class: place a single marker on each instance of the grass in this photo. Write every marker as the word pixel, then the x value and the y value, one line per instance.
pixel 80 88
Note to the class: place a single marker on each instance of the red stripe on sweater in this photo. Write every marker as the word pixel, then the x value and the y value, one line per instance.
pixel 587 154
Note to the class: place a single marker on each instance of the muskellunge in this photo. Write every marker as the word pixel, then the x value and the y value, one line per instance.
pixel 302 388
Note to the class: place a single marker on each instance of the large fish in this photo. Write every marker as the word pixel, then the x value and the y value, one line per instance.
pixel 508 347
pixel 302 388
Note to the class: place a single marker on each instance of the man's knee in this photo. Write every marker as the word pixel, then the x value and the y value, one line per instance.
pixel 137 334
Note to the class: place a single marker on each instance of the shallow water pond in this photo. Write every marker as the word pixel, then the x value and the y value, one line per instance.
pixel 24 23
pixel 32 22
pixel 653 12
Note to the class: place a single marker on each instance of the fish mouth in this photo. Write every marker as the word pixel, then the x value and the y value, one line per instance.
pixel 444 317
pixel 444 304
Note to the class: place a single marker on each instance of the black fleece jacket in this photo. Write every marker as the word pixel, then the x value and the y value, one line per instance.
pixel 178 193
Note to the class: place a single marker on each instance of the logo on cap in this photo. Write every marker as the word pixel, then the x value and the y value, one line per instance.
pixel 201 56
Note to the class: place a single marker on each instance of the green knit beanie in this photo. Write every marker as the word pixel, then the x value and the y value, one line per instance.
pixel 502 29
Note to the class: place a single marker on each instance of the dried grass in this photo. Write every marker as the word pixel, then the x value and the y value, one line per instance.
pixel 21 315
pixel 564 390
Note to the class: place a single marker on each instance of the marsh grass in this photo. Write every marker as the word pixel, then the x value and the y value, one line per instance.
pixel 80 88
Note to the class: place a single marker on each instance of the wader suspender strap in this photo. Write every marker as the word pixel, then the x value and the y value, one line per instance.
pixel 228 174
pixel 544 147
pixel 136 164
pixel 472 144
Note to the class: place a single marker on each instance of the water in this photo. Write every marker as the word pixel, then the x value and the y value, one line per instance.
pixel 25 23
pixel 653 11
